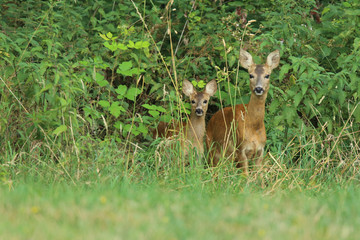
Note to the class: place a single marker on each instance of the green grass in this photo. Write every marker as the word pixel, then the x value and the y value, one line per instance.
pixel 109 191
pixel 132 211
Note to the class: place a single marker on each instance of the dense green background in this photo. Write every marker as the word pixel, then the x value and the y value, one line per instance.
pixel 82 83
pixel 93 69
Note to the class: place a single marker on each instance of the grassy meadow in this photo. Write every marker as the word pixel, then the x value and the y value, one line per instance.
pixel 34 211
pixel 118 195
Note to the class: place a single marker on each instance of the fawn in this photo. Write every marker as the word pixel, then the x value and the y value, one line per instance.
pixel 191 132
pixel 240 130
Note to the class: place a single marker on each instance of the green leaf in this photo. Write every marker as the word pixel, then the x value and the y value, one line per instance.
pixel 284 69
pixel 201 84
pixel 132 93
pixel 326 9
pixel 142 129
pixel 111 47
pixel 108 46
pixel 104 104
pixel 60 129
pixel 290 93
pixel 297 99
pixel 290 114
pixel 104 37
pixel 326 51
pixel 341 97
pixel 85 63
pixel 274 106
pixel 160 109
pixel 194 83
pixel 132 128
pixel 121 90
pixel 109 35
pixel 304 88
pixel 101 80
pixel 121 46
pixel 141 44
pixel 46 88
pixel 302 68
pixel 63 102
pixel 357 113
pixel 115 109
pixel 154 108
pixel 131 72
pixel 39 55
pixel 131 44
pixel 145 44
pixel 154 113
pixel 232 60
pixel 147 106
pixel 125 66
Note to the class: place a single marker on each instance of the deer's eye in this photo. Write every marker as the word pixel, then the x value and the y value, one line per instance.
pixel 205 101
pixel 193 101
pixel 251 76
pixel 267 76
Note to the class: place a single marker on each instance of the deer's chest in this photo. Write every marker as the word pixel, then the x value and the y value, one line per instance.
pixel 253 143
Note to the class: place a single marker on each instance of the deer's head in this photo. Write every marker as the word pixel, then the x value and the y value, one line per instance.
pixel 199 100
pixel 259 73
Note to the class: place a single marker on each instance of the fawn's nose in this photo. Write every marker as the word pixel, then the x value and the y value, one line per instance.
pixel 199 112
pixel 259 91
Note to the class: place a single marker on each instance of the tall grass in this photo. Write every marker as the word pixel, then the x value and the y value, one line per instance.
pixel 110 201
pixel 308 162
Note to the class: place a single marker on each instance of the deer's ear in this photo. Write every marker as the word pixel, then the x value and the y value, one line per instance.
pixel 246 59
pixel 273 59
pixel 188 88
pixel 211 87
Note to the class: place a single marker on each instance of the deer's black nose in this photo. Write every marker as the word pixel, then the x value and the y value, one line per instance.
pixel 199 111
pixel 259 90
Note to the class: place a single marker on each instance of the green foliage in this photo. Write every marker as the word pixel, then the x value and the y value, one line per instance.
pixel 72 70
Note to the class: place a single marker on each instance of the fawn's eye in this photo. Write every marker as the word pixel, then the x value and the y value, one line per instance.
pixel 251 76
pixel 193 101
pixel 205 101
pixel 267 76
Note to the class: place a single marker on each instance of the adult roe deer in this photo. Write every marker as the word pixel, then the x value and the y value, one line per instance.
pixel 240 130
pixel 192 131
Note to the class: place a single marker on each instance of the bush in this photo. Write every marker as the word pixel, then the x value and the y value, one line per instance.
pixel 94 69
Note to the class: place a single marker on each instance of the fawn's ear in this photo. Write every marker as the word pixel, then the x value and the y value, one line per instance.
pixel 246 60
pixel 211 87
pixel 273 59
pixel 188 88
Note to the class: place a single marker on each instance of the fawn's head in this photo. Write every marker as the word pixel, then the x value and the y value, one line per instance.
pixel 259 74
pixel 199 100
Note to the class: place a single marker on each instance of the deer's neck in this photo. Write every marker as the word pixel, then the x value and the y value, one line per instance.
pixel 196 129
pixel 256 111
